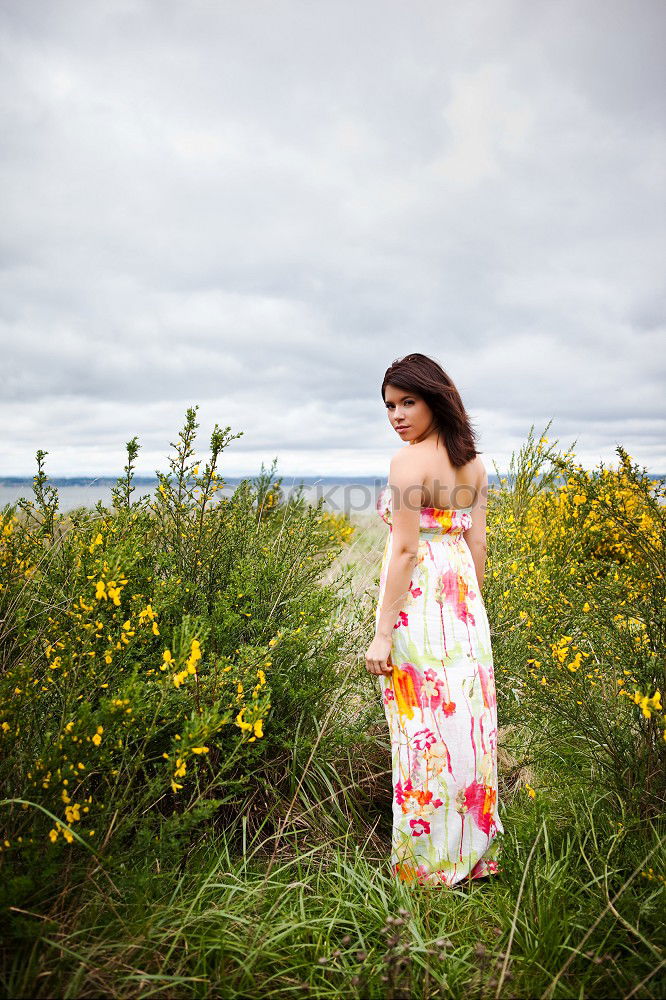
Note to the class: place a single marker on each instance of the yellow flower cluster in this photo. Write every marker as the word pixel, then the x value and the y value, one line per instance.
pixel 181 765
pixel 74 813
pixel 17 543
pixel 649 706
pixel 109 590
pixel 190 664
pixel 652 875
pixel 340 527
pixel 98 540
pixel 561 650
pixel 270 500
pixel 149 617
pixel 255 726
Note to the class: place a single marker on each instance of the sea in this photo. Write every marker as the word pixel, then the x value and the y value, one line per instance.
pixel 350 495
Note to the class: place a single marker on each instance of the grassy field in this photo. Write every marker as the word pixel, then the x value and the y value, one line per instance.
pixel 195 764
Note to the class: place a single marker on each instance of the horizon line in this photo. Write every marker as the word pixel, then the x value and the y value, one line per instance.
pixel 89 480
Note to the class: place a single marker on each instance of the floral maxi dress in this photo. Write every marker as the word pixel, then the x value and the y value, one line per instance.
pixel 441 710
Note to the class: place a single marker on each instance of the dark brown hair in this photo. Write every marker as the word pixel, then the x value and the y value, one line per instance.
pixel 422 375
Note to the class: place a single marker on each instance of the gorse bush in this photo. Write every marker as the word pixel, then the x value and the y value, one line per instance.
pixel 157 658
pixel 576 595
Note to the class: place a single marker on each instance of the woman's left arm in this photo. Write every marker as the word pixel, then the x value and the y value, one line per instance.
pixel 405 483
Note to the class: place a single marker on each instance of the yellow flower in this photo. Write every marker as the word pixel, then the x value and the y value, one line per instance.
pixel 575 663
pixel 530 791
pixel 240 721
pixel 200 749
pixel 194 657
pixel 96 541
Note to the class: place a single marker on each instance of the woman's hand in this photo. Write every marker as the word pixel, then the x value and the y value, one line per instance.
pixel 378 656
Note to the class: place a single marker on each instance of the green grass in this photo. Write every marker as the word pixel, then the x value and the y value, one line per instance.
pixel 569 915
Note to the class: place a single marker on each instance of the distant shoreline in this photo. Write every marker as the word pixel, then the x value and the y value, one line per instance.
pixel 108 481
pixel 341 494
pixel 152 480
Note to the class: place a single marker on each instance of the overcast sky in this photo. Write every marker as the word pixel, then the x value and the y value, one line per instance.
pixel 258 206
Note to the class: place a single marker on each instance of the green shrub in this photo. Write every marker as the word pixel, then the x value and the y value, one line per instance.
pixel 577 596
pixel 156 659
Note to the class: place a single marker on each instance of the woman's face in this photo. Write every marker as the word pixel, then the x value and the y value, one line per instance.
pixel 408 414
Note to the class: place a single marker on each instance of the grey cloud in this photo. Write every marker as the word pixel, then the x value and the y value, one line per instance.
pixel 260 208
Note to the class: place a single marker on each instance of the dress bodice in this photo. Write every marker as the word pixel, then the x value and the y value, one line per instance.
pixel 433 520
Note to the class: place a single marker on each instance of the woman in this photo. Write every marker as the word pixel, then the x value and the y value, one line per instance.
pixel 431 650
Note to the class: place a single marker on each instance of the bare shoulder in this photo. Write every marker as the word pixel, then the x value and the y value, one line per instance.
pixel 410 461
pixel 480 478
pixel 407 471
pixel 479 470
